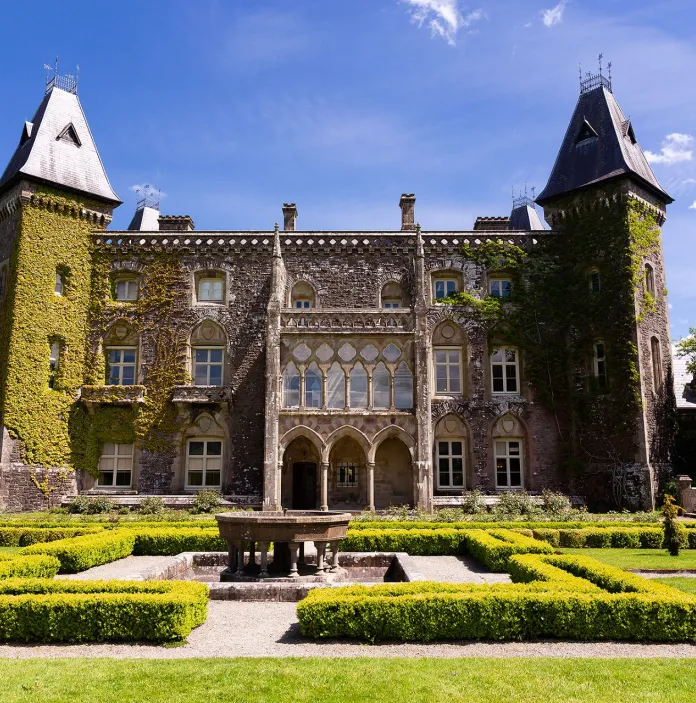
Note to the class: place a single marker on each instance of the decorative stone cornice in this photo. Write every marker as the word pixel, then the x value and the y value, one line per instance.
pixel 356 320
pixel 92 396
pixel 184 395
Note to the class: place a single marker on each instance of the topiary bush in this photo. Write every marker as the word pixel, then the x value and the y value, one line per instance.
pixel 207 501
pixel 675 537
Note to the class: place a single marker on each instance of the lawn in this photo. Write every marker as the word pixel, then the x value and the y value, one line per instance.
pixel 683 584
pixel 9 550
pixel 639 558
pixel 347 680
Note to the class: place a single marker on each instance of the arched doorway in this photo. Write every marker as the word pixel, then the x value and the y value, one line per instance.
pixel 393 474
pixel 347 475
pixel 299 489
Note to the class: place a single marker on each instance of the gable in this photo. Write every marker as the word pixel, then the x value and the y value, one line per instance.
pixel 69 134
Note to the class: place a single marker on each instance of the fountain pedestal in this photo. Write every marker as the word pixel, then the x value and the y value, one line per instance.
pixel 288 531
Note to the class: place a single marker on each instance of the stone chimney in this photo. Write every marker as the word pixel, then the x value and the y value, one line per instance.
pixel 408 211
pixel 289 216
pixel 175 223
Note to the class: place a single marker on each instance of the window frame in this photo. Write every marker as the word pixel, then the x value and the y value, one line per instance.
pixel 444 280
pixel 116 456
pixel 507 456
pixel 505 364
pixel 601 379
pixel 649 273
pixel 310 394
pixel 594 272
pixel 205 456
pixel 351 467
pixel 500 280
pixel 55 352
pixel 59 286
pixel 656 365
pixel 284 386
pixel 203 277
pixel 121 364
pixel 450 456
pixel 460 365
pixel 128 280
pixel 392 304
pixel 208 364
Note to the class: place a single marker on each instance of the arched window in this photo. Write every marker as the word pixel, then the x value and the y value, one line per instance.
pixel 649 280
pixel 381 387
pixel 302 297
pixel 336 387
pixel 656 354
pixel 391 296
pixel 208 354
pixel 358 387
pixel 291 386
pixel 313 384
pixel 403 387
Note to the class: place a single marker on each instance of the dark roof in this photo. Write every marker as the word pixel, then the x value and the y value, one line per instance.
pixel 585 159
pixel 57 147
pixel 525 217
pixel 491 224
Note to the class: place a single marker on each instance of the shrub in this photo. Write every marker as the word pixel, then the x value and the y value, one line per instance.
pixel 495 547
pixel 474 503
pixel 516 503
pixel 554 596
pixel 37 566
pixel 675 536
pixel 80 553
pixel 84 505
pixel 164 542
pixel 553 537
pixel 554 503
pixel 206 501
pixel 96 611
pixel 152 505
pixel 415 542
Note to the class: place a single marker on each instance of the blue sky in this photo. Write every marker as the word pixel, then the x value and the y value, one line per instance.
pixel 232 107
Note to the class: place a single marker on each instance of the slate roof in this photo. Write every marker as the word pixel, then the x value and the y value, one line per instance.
pixel 584 159
pixel 525 217
pixel 683 390
pixel 145 219
pixel 57 148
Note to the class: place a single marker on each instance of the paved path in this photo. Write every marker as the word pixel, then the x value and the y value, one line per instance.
pixel 271 630
pixel 457 570
pixel 129 569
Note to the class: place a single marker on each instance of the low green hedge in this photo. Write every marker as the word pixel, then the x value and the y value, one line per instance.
pixel 616 537
pixel 96 611
pixel 36 566
pixel 495 547
pixel 546 601
pixel 501 524
pixel 171 542
pixel 80 553
pixel 414 542
pixel 24 536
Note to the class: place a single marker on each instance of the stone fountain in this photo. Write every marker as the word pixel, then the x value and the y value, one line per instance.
pixel 288 531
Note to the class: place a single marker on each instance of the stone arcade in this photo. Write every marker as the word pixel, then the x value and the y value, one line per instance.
pixel 287 368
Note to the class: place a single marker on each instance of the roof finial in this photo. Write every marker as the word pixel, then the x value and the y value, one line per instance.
pixel 599 59
pixel 580 71
pixel 595 80
pixel 68 82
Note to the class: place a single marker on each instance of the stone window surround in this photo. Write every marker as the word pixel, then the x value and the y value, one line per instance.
pixel 505 365
pixel 449 455
pixel 599 363
pixel 117 454
pixel 205 439
pixel 302 289
pixel 447 392
pixel 507 456
pixel 128 278
pixel 656 364
pixel 199 275
pixel 649 280
pixel 135 364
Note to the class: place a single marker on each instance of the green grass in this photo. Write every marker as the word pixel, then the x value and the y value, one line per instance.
pixel 347 680
pixel 9 550
pixel 680 582
pixel 639 558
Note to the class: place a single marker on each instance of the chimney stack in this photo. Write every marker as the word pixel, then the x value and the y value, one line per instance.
pixel 175 223
pixel 408 211
pixel 289 216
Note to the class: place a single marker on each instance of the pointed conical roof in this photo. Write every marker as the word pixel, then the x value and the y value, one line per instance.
pixel 525 217
pixel 599 145
pixel 57 148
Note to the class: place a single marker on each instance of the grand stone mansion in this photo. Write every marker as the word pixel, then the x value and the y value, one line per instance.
pixel 304 369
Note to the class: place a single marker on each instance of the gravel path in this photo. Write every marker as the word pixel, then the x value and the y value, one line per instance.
pixel 129 569
pixel 456 570
pixel 271 630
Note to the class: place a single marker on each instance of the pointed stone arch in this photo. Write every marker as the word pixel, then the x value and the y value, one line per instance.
pixel 301 431
pixel 346 431
pixel 393 431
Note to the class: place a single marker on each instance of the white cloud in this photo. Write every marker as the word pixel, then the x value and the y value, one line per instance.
pixel 675 149
pixel 528 25
pixel 555 14
pixel 689 182
pixel 141 188
pixel 443 17
pixel 692 206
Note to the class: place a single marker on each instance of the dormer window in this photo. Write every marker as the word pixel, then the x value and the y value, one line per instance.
pixel 69 135
pixel 586 134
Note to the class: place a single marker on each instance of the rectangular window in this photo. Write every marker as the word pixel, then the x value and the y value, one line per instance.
pixel 599 364
pixel 203 463
pixel 501 288
pixel 126 289
pixel 656 364
pixel 448 370
pixel 504 370
pixel 595 282
pixel 53 361
pixel 444 287
pixel 116 466
pixel 58 288
pixel 508 463
pixel 122 363
pixel 391 304
pixel 450 463
pixel 207 366
pixel 303 304
pixel 210 290
pixel 347 476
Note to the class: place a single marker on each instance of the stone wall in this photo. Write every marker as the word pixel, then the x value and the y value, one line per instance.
pixel 26 488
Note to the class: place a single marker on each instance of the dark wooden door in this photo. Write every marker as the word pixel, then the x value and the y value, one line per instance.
pixel 304 486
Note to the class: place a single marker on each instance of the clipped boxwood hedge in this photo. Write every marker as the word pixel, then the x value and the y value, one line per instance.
pixel 546 601
pixel 615 538
pixel 414 542
pixel 24 536
pixel 80 553
pixel 495 547
pixel 171 542
pixel 97 611
pixel 34 566
pixel 493 525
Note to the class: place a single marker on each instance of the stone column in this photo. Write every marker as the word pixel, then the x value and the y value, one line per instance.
pixel 294 555
pixel 334 555
pixel 321 555
pixel 263 547
pixel 371 486
pixel 324 485
pixel 271 462
pixel 240 557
